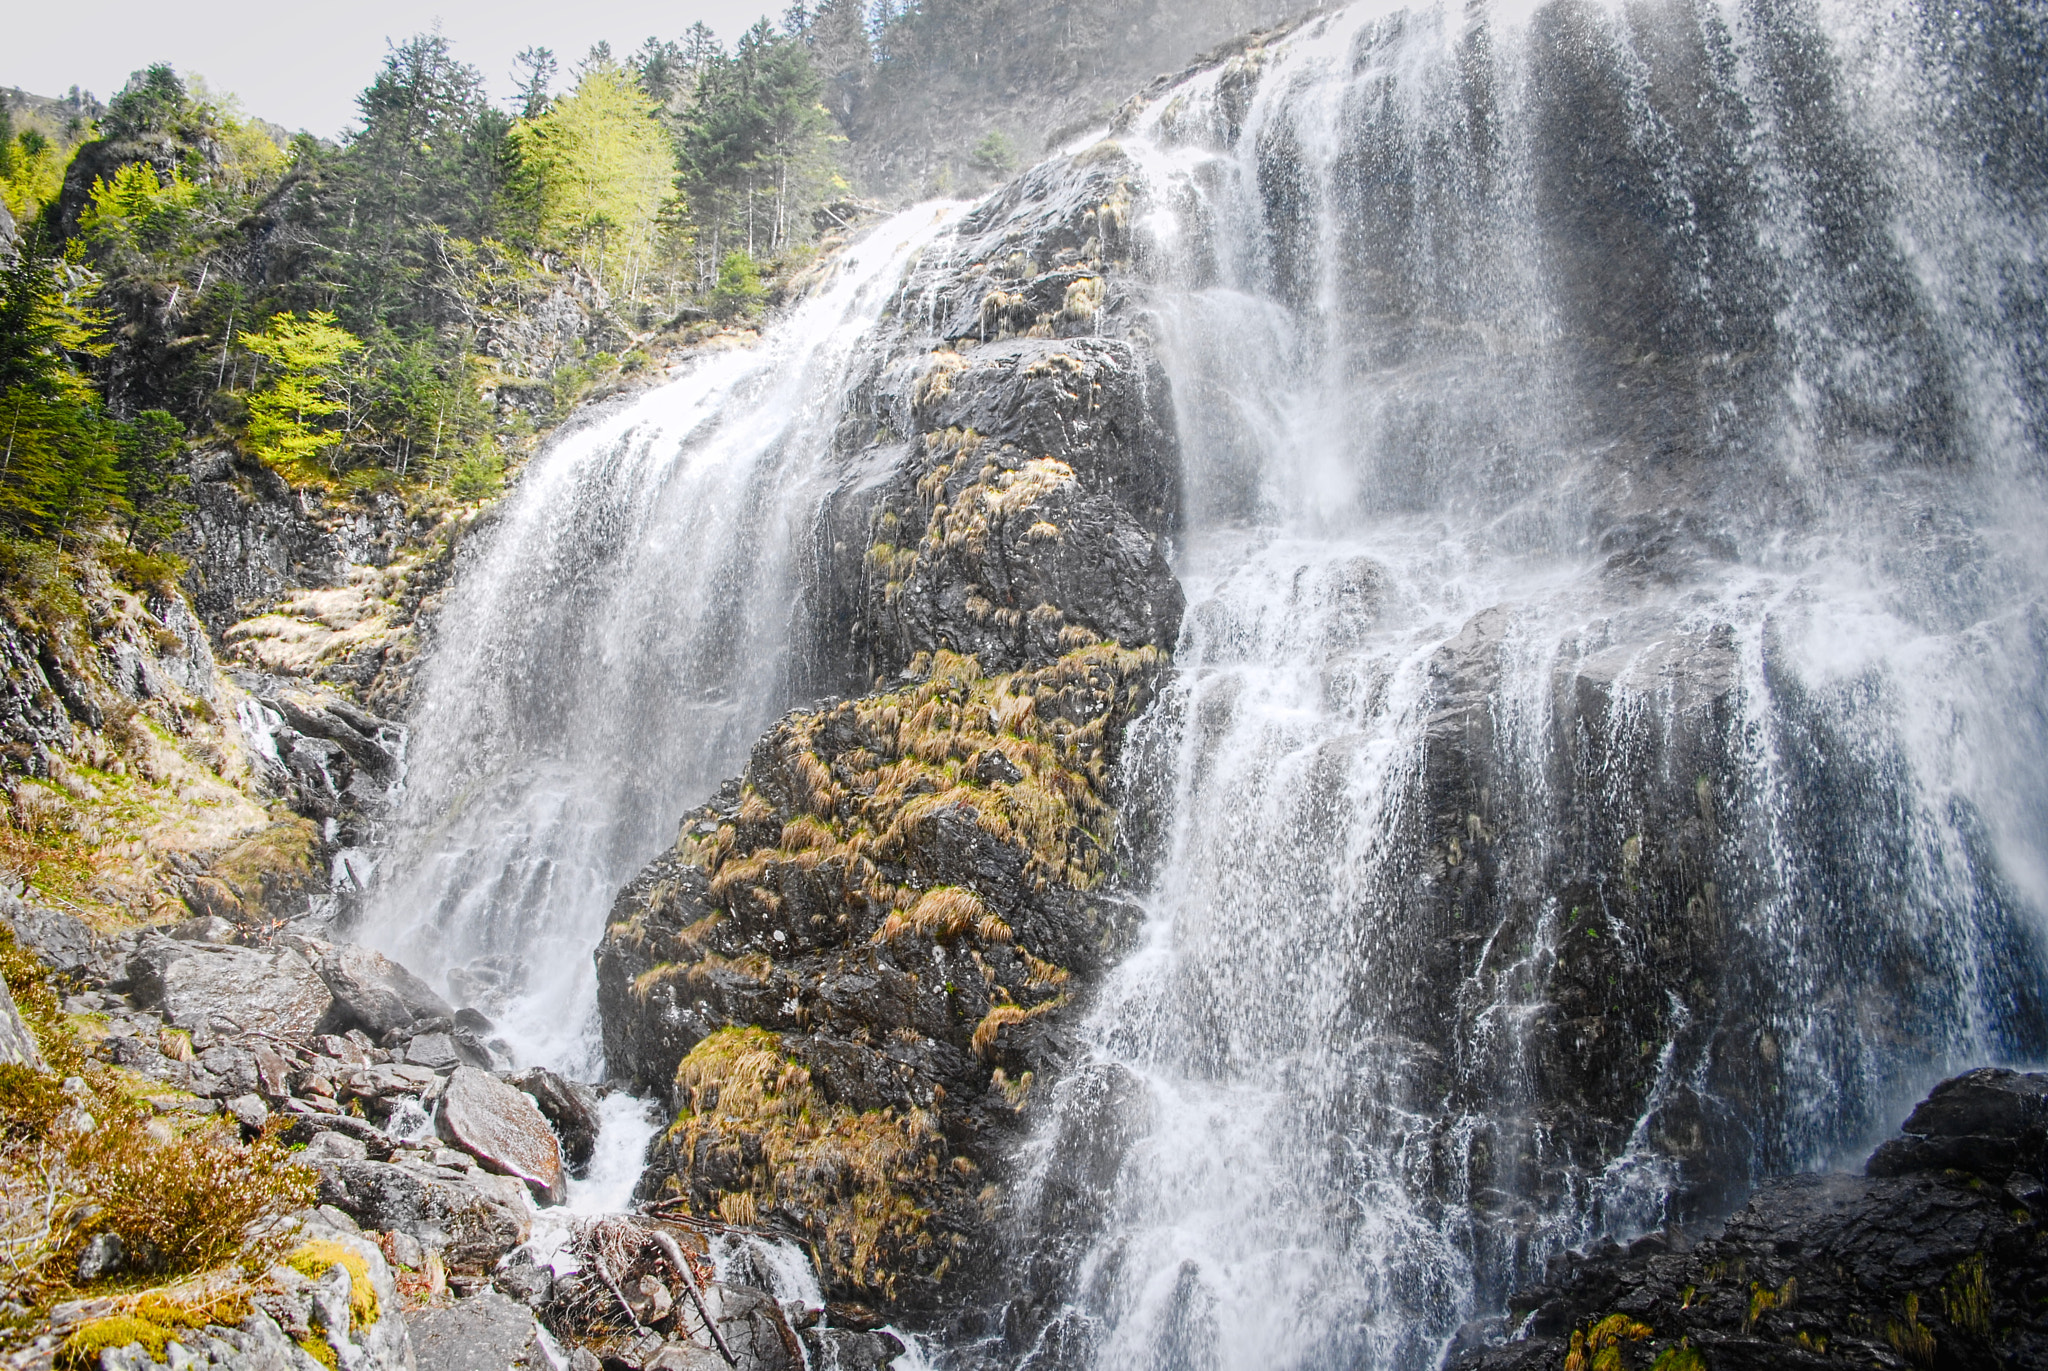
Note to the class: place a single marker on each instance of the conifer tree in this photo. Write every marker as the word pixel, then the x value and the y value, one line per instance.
pixel 599 170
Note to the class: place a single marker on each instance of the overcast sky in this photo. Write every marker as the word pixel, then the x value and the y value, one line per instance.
pixel 301 65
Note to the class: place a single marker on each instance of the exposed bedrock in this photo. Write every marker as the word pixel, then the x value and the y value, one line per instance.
pixel 853 972
pixel 1936 1257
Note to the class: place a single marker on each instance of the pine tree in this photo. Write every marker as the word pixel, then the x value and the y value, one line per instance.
pixel 538 67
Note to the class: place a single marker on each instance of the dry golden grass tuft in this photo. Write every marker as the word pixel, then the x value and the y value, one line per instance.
pixel 855 1176
pixel 94 1159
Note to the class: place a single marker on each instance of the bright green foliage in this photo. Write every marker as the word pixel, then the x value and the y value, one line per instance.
pixel 61 457
pixel 31 168
pixel 599 169
pixel 284 415
pixel 397 259
pixel 137 210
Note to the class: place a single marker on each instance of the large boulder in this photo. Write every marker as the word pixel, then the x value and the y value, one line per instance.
pixel 471 1222
pixel 1936 1258
pixel 1990 1122
pixel 230 989
pixel 375 993
pixel 504 1129
pixel 486 1332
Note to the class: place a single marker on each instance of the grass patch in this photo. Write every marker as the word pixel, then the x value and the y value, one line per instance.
pixel 853 1177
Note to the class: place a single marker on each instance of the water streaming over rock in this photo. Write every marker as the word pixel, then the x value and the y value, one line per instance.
pixel 1605 762
pixel 613 645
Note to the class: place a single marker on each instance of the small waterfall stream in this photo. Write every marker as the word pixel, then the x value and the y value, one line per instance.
pixel 610 650
pixel 1604 764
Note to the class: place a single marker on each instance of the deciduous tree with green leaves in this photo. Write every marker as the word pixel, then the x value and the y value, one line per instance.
pixel 599 170
pixel 285 412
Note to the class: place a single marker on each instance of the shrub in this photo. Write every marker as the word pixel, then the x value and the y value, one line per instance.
pixel 739 291
pixel 193 1203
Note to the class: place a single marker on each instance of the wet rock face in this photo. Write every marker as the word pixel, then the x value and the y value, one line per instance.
pixel 850 975
pixel 1012 468
pixel 1031 514
pixel 251 537
pixel 1990 1123
pixel 1592 889
pixel 877 927
pixel 1919 1263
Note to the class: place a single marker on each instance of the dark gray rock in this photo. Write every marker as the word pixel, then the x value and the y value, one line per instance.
pixel 103 1255
pixel 570 1106
pixel 435 1051
pixel 751 1325
pixel 1990 1122
pixel 1911 1264
pixel 375 993
pixel 205 928
pixel 310 1128
pixel 35 717
pixel 249 1110
pixel 234 1067
pixel 524 1278
pixel 503 1128
pixel 851 1350
pixel 486 1332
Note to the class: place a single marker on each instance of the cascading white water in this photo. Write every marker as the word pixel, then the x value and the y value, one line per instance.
pixel 611 648
pixel 1614 456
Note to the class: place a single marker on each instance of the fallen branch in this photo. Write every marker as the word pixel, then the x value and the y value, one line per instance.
pixel 674 1254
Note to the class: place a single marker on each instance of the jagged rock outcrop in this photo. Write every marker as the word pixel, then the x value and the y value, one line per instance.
pixel 848 979
pixel 1938 1257
pixel 876 930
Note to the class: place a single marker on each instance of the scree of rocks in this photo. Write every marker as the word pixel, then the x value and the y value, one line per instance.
pixel 441 1172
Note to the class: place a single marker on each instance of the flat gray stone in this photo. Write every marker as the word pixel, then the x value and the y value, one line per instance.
pixel 486 1332
pixel 504 1129
pixel 195 985
pixel 249 1110
pixel 435 1051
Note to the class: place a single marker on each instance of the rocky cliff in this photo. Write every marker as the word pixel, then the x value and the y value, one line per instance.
pixel 848 979
pixel 1934 1257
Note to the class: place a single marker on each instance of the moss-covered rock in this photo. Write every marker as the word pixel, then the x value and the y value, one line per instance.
pixel 852 966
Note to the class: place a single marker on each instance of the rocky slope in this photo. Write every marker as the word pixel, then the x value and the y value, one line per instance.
pixel 848 979
pixel 1937 1256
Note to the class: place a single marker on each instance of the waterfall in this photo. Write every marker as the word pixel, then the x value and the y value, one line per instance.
pixel 1604 765
pixel 611 647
